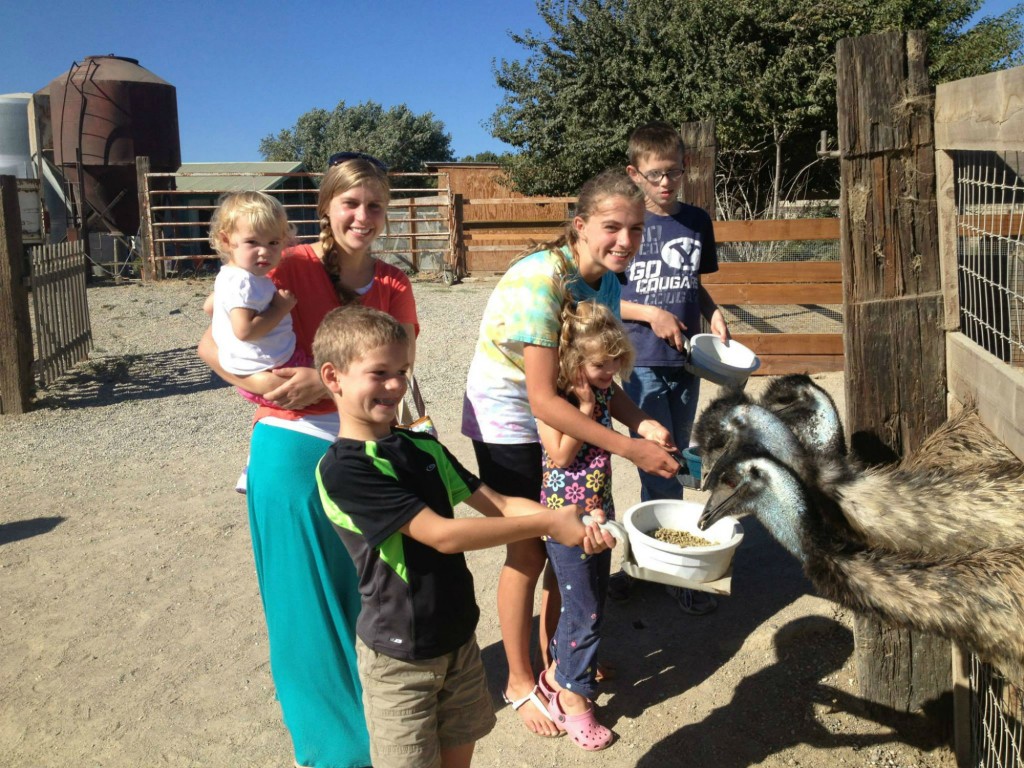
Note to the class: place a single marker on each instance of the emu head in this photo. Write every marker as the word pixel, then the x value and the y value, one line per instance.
pixel 809 411
pixel 754 483
pixel 733 421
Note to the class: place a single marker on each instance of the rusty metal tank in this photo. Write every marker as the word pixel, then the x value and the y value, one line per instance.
pixel 105 112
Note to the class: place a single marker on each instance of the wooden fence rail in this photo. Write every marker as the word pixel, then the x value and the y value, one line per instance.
pixel 773 283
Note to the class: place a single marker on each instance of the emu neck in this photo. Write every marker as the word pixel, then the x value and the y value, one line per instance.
pixel 784 514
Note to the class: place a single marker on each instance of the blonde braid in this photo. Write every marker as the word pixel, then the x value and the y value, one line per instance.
pixel 345 295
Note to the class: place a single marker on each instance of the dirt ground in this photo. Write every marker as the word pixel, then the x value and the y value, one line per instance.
pixel 131 625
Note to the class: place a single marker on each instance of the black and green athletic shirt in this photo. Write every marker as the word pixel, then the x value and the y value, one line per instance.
pixel 417 603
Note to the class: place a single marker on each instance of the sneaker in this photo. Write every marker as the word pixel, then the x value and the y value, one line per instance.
pixel 241 484
pixel 620 585
pixel 691 601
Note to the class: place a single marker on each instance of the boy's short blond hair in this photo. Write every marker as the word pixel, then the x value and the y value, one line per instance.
pixel 347 333
pixel 657 139
pixel 266 216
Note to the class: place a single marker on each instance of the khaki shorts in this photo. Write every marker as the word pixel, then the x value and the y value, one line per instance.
pixel 414 709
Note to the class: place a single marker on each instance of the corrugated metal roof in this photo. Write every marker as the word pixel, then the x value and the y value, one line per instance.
pixel 218 183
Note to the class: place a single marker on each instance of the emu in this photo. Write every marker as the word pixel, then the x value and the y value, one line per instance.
pixel 975 598
pixel 911 507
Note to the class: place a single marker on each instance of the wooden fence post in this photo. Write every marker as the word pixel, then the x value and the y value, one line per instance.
pixel 893 310
pixel 145 244
pixel 700 150
pixel 15 326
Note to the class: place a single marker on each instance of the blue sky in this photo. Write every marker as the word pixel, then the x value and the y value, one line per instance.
pixel 244 70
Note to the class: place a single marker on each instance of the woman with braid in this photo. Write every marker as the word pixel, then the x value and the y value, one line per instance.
pixel 307 580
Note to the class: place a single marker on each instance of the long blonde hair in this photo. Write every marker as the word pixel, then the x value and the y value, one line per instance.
pixel 590 332
pixel 339 179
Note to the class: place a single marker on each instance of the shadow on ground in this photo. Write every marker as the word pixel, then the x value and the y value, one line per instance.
pixel 104 381
pixel 660 652
pixel 26 529
pixel 775 709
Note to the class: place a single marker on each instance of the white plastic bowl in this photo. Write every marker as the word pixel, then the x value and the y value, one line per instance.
pixel 694 563
pixel 730 363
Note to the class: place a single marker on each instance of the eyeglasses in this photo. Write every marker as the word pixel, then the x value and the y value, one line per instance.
pixel 655 177
pixel 340 157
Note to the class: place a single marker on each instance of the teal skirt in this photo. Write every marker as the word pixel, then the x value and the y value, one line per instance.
pixel 309 589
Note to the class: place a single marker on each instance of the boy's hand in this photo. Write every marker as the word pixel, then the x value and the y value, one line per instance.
pixel 284 299
pixel 719 326
pixel 567 529
pixel 668 328
pixel 597 539
pixel 652 430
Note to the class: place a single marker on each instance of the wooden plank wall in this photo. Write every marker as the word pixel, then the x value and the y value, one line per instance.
pixel 767 283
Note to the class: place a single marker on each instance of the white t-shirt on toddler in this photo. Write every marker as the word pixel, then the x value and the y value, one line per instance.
pixel 236 288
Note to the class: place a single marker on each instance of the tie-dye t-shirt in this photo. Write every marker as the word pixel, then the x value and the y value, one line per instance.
pixel 524 308
pixel 587 481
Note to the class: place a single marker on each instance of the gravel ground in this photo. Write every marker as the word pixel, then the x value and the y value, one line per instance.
pixel 132 629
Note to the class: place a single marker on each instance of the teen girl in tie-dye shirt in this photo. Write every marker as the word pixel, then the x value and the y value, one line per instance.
pixel 512 381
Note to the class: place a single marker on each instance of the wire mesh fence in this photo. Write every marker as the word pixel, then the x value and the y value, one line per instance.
pixel 997 718
pixel 990 254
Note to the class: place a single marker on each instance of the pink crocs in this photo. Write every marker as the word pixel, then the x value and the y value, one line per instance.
pixel 583 729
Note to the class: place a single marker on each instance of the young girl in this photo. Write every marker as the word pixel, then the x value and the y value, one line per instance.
pixel 593 349
pixel 512 381
pixel 251 318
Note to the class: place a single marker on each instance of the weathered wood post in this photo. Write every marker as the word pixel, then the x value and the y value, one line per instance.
pixel 893 309
pixel 145 242
pixel 700 151
pixel 15 326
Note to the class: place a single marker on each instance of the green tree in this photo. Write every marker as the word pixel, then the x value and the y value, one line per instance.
pixel 397 136
pixel 485 157
pixel 764 70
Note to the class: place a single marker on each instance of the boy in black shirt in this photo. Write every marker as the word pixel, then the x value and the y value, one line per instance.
pixel 390 494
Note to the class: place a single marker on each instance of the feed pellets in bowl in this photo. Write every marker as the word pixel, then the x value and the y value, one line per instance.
pixel 694 563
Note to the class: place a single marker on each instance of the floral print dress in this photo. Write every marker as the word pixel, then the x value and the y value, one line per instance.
pixel 587 481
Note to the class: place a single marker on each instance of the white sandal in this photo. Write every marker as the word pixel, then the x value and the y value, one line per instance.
pixel 533 698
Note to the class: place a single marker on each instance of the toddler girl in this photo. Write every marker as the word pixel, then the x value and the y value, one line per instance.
pixel 251 318
pixel 593 348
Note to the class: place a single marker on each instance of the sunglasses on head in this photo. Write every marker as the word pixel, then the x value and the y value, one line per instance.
pixel 340 157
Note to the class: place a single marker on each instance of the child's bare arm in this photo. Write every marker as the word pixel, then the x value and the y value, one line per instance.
pixel 247 325
pixel 488 501
pixel 518 519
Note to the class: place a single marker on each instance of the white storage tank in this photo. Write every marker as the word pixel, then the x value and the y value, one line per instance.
pixel 15 151
pixel 16 160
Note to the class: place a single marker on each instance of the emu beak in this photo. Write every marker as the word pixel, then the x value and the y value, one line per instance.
pixel 718 505
pixel 710 478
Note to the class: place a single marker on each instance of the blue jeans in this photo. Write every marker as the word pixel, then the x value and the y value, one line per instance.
pixel 583 584
pixel 668 395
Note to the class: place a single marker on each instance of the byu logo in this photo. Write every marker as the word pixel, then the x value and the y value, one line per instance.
pixel 683 252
